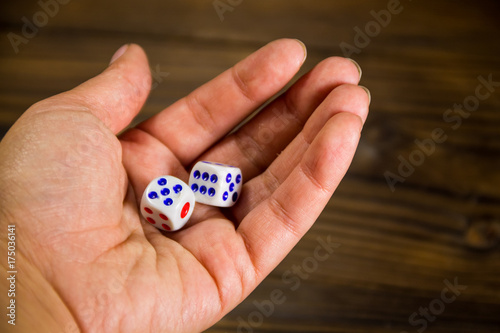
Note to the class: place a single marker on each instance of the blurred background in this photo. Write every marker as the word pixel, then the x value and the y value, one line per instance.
pixel 410 240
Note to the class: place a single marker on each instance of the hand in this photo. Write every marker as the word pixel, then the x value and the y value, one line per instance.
pixel 72 188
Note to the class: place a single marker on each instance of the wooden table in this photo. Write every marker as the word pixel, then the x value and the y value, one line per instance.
pixel 419 255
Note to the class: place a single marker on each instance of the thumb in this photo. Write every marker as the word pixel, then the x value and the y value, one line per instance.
pixel 116 95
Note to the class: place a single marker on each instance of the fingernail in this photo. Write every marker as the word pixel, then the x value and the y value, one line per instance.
pixel 304 48
pixel 368 93
pixel 358 67
pixel 118 53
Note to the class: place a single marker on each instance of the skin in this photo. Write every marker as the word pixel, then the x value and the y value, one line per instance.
pixel 87 261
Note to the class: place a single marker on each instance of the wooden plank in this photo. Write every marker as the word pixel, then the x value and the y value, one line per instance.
pixel 396 249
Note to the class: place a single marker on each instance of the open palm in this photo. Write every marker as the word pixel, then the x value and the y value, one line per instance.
pixel 72 187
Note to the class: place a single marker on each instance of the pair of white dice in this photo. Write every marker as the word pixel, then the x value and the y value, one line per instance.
pixel 168 202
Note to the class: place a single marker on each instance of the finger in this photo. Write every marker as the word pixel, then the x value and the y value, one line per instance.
pixel 194 123
pixel 279 222
pixel 115 96
pixel 256 144
pixel 346 98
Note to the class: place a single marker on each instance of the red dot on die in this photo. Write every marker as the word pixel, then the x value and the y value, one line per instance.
pixel 164 217
pixel 185 210
pixel 166 227
pixel 150 220
pixel 148 210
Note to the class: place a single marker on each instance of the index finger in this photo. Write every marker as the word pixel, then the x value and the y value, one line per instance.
pixel 193 124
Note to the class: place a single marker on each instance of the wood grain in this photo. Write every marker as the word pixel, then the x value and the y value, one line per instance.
pixel 395 248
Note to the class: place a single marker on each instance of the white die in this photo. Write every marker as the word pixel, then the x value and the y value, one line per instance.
pixel 216 184
pixel 167 203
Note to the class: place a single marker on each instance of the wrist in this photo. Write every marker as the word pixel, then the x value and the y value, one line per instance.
pixel 32 304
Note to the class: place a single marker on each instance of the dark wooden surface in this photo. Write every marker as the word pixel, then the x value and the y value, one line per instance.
pixel 395 249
